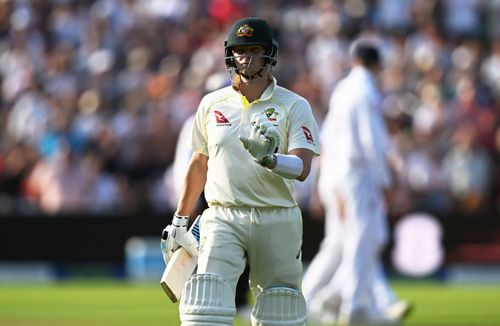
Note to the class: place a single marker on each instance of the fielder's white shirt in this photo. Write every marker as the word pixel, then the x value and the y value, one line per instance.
pixel 234 179
pixel 354 134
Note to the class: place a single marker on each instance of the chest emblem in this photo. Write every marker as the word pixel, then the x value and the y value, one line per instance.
pixel 271 114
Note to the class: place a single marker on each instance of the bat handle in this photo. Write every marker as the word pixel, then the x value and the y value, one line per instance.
pixel 164 235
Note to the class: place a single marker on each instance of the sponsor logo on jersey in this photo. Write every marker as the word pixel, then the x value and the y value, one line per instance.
pixel 271 114
pixel 221 119
pixel 245 31
pixel 308 134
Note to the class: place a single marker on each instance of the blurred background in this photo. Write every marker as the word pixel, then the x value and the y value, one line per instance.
pixel 93 96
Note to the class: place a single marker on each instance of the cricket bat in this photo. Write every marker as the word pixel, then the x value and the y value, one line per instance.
pixel 180 267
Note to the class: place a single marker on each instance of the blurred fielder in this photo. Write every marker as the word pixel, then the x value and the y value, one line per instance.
pixel 251 141
pixel 345 282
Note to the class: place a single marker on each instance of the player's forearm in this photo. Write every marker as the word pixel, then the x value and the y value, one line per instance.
pixel 306 156
pixel 194 183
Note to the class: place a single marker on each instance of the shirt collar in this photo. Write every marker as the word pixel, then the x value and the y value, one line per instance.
pixel 363 73
pixel 269 91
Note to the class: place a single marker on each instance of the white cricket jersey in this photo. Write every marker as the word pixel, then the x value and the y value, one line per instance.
pixel 354 135
pixel 234 179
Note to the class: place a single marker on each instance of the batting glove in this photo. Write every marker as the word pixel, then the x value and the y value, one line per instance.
pixel 263 142
pixel 177 235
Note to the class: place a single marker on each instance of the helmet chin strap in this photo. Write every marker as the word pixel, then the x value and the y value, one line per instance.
pixel 237 77
pixel 253 76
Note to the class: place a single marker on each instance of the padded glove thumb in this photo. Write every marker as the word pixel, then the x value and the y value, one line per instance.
pixel 245 142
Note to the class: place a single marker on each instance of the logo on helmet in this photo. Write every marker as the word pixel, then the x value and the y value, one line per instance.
pixel 245 31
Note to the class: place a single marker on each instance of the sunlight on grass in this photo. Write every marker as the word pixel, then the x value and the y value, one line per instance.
pixel 122 303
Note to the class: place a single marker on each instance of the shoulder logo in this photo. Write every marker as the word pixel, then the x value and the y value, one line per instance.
pixel 245 31
pixel 221 119
pixel 308 134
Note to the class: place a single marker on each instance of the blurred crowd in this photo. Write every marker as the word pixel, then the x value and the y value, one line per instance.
pixel 94 94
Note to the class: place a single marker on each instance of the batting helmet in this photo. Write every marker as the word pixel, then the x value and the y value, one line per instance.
pixel 251 31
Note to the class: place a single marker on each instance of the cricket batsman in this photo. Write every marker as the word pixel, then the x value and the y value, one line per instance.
pixel 251 141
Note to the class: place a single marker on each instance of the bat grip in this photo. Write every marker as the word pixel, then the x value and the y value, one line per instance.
pixel 164 234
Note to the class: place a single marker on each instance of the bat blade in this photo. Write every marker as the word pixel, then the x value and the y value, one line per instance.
pixel 180 268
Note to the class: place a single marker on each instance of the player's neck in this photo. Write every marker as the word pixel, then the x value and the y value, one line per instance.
pixel 253 89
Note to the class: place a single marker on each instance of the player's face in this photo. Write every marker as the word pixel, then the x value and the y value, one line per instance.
pixel 249 59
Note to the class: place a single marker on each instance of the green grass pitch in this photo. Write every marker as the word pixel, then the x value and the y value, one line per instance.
pixel 120 303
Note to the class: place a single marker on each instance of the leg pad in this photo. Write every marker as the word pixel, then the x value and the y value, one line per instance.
pixel 279 306
pixel 207 299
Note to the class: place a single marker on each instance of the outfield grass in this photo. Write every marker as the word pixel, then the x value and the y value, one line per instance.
pixel 116 303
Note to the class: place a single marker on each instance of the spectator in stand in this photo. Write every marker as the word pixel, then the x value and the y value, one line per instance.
pixel 54 53
pixel 468 168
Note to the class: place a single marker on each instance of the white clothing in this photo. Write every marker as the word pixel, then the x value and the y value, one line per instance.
pixel 233 178
pixel 353 165
pixel 252 216
pixel 175 174
pixel 355 133
pixel 269 238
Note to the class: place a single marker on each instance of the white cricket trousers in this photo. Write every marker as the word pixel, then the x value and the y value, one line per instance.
pixel 270 239
pixel 327 260
pixel 347 266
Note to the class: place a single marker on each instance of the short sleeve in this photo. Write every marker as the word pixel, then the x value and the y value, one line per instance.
pixel 303 129
pixel 199 134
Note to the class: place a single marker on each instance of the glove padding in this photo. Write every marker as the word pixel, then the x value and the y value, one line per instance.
pixel 264 140
pixel 177 235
